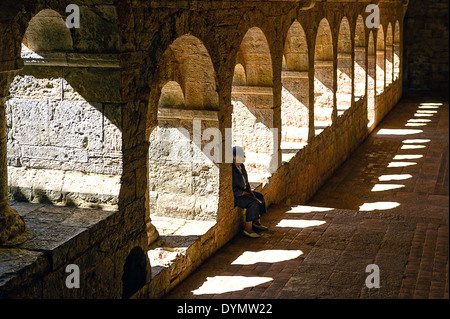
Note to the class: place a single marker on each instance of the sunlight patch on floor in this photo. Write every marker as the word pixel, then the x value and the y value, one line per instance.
pixel 224 284
pixel 367 207
pixel 308 209
pixel 266 256
pixel 394 177
pixel 299 223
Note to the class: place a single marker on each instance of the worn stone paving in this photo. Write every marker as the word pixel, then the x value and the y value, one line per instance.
pixel 388 206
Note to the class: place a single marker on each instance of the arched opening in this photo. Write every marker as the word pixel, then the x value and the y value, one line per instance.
pixel 295 93
pixel 360 59
pixel 396 50
pixel 172 96
pixel 47 32
pixel 184 150
pixel 380 61
pixel 134 272
pixel 344 68
pixel 252 117
pixel 323 78
pixel 371 77
pixel 389 55
pixel 64 120
pixel 239 77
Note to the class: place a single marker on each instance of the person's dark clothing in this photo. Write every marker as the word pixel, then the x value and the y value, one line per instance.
pixel 240 184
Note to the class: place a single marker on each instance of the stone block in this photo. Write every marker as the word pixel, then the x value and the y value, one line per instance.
pixel 80 84
pixel 39 83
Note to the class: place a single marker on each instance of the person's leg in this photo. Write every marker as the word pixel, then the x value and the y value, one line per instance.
pixel 262 210
pixel 252 213
pixel 248 227
pixel 262 206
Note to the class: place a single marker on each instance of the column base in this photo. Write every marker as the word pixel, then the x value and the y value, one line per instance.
pixel 152 232
pixel 12 226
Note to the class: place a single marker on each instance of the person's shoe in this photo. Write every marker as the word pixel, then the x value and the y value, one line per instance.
pixel 260 226
pixel 252 235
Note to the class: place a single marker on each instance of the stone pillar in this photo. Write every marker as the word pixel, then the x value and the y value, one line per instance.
pixel 11 223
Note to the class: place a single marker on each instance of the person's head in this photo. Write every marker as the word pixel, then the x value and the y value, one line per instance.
pixel 238 155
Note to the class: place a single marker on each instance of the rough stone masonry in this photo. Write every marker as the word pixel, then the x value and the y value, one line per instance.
pixel 81 110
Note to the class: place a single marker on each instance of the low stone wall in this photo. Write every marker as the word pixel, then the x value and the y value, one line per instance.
pixel 63 236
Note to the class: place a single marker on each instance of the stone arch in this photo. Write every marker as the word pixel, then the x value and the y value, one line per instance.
pixel 183 176
pixel 192 65
pixel 295 92
pixel 61 123
pixel 389 55
pixel 360 59
pixel 47 31
pixel 172 96
pixel 296 48
pixel 134 272
pixel 380 60
pixel 239 76
pixel 371 78
pixel 323 77
pixel 256 57
pixel 344 68
pixel 396 48
pixel 252 117
pixel 183 169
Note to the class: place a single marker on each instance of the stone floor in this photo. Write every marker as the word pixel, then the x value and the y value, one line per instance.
pixel 388 206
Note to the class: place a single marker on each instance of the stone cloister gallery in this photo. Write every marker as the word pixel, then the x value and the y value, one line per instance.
pixel 125 124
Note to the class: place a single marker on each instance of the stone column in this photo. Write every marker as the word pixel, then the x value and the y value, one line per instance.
pixel 11 223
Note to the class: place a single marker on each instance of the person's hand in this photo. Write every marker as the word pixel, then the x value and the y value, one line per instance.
pixel 246 193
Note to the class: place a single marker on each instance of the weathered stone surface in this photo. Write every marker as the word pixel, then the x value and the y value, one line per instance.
pixel 111 109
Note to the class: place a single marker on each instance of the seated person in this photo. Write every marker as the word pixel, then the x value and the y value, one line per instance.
pixel 244 197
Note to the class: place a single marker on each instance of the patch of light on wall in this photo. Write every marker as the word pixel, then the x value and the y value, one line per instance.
pixel 299 223
pixel 367 207
pixel 308 209
pixel 394 177
pixel 30 55
pixel 400 164
pixel 266 256
pixel 403 157
pixel 224 284
pixel 385 131
pixel 385 187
